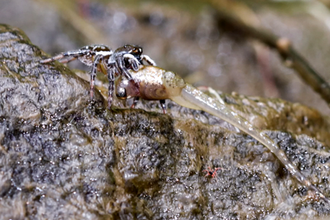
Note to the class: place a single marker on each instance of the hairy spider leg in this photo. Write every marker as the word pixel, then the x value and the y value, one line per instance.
pixel 162 104
pixel 148 60
pixel 111 79
pixel 97 61
pixel 132 61
pixel 68 60
pixel 57 57
pixel 74 54
pixel 135 101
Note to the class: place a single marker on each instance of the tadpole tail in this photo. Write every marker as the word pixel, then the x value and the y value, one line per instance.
pixel 216 108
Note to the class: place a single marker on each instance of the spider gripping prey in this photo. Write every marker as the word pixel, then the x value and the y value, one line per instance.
pixel 111 63
pixel 154 83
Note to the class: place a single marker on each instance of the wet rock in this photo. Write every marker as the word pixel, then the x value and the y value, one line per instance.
pixel 63 156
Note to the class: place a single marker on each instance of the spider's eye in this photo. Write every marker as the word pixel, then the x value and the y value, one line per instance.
pixel 137 51
pixel 121 93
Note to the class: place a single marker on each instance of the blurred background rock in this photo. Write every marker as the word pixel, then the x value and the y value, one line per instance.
pixel 187 37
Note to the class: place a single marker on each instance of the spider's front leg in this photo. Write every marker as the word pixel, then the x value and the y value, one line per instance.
pixel 150 61
pixel 133 62
pixel 97 61
pixel 71 54
pixel 57 57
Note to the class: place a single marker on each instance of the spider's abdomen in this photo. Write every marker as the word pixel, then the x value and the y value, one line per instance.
pixel 90 52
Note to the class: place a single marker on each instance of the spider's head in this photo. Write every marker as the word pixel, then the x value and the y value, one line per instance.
pixel 136 51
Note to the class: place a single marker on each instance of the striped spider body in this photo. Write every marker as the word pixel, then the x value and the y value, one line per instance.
pixel 102 58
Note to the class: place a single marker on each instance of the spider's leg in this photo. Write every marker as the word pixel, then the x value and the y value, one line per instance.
pixel 148 60
pixel 132 61
pixel 96 62
pixel 57 57
pixel 162 104
pixel 123 70
pixel 74 54
pixel 135 101
pixel 68 60
pixel 111 78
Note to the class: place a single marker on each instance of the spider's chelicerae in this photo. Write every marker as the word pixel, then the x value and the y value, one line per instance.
pixel 111 63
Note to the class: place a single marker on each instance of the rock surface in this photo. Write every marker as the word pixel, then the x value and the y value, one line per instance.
pixel 65 157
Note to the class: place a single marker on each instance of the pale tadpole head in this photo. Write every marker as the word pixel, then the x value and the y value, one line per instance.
pixel 173 84
pixel 150 83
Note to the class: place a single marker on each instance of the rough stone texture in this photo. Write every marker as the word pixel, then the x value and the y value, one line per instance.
pixel 65 157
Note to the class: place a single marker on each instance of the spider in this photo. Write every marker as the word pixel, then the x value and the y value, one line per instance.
pixel 211 172
pixel 112 63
